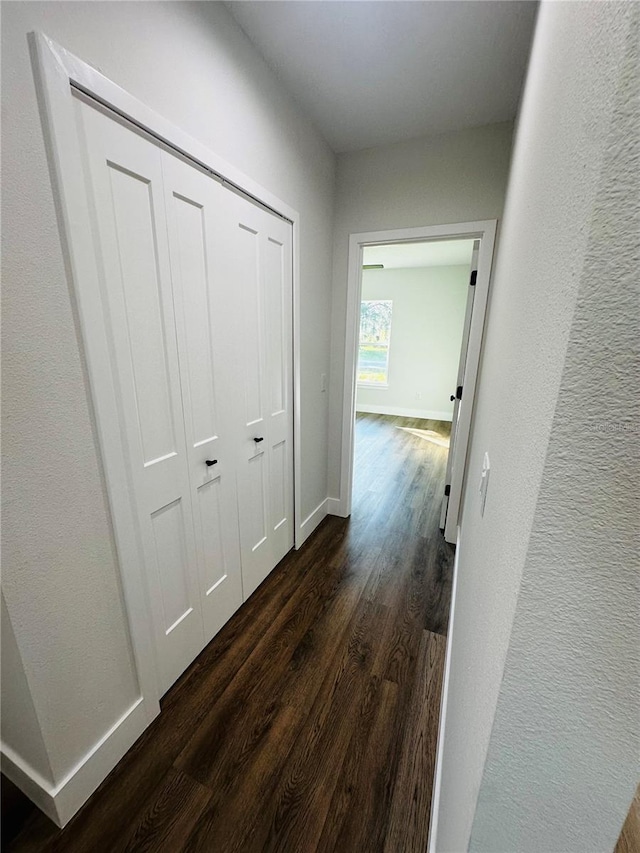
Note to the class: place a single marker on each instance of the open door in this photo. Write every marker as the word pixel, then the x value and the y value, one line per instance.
pixel 459 447
pixel 483 234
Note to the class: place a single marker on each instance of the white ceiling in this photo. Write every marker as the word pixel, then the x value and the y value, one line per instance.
pixel 371 73
pixel 443 253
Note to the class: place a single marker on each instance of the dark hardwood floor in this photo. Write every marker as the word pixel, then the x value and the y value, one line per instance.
pixel 309 723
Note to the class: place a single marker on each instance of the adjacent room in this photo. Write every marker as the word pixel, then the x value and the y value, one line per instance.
pixel 416 308
pixel 414 298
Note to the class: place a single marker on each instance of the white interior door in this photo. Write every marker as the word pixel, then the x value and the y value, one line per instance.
pixel 125 178
pixel 195 217
pixel 260 271
pixel 196 286
pixel 457 398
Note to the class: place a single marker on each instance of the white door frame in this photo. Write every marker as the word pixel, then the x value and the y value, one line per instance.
pixel 485 231
pixel 468 314
pixel 57 73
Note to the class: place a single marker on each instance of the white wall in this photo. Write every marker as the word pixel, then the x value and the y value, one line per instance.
pixel 426 333
pixel 191 63
pixel 20 726
pixel 541 732
pixel 455 177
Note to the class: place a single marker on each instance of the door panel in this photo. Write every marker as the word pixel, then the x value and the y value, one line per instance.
pixel 260 270
pixel 248 273
pixel 277 339
pixel 125 179
pixel 210 517
pixel 206 340
pixel 279 479
pixel 256 501
pixel 190 266
pixel 140 282
pixel 171 560
pixel 278 289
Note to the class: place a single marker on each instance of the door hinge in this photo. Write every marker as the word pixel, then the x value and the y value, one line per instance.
pixel 447 491
pixel 459 392
pixel 474 276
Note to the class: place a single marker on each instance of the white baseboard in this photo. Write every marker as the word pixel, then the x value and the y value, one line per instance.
pixel 437 777
pixel 427 414
pixel 312 521
pixel 334 507
pixel 60 802
pixel 31 783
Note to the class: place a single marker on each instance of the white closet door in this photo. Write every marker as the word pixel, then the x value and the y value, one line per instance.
pixel 125 176
pixel 194 203
pixel 260 271
pixel 196 284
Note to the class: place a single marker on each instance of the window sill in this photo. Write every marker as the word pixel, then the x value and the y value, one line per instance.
pixel 381 386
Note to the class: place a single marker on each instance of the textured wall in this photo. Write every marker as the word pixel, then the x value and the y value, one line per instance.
pixel 426 330
pixel 541 736
pixel 191 63
pixel 456 177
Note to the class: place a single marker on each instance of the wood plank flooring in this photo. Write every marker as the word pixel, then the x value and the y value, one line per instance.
pixel 309 723
pixel 629 841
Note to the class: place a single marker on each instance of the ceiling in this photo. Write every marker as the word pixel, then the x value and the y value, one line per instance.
pixel 442 253
pixel 372 73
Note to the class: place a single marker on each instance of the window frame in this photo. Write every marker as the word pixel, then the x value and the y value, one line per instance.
pixel 367 383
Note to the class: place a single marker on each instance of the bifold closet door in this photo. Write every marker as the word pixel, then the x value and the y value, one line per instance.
pixel 167 404
pixel 259 269
pixel 195 218
pixel 196 289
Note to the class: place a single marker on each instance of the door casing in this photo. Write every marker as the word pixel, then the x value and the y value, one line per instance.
pixel 485 231
pixel 468 314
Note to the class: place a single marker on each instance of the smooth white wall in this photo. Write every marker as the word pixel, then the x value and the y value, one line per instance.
pixel 191 63
pixel 541 732
pixel 426 333
pixel 455 177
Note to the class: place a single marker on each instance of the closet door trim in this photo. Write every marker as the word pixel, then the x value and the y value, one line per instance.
pixel 59 75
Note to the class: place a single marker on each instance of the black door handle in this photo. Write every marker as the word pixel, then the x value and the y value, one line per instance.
pixel 210 462
pixel 258 440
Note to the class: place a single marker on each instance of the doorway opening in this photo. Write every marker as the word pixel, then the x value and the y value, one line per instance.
pixel 416 308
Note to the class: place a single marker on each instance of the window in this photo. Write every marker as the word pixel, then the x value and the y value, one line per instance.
pixel 375 331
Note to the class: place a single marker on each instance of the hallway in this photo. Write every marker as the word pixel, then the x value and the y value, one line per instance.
pixel 310 722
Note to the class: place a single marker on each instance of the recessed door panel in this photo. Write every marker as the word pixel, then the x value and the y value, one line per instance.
pixel 212 534
pixel 135 228
pixel 279 484
pixel 251 356
pixel 277 315
pixel 256 522
pixel 193 269
pixel 172 563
